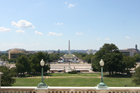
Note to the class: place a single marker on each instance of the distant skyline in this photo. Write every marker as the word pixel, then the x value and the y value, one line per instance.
pixel 50 24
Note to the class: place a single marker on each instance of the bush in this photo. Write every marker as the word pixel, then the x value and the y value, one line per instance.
pixel 7 76
pixel 28 75
pixel 136 77
pixel 73 72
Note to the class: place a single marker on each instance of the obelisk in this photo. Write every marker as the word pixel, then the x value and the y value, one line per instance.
pixel 69 46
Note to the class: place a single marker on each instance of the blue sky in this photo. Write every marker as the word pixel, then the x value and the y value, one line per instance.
pixel 88 24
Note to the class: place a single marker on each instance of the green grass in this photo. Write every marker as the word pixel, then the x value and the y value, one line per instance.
pixel 84 79
pixel 81 74
pixel 69 55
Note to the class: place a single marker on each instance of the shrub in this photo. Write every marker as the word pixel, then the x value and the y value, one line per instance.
pixel 73 72
pixel 136 77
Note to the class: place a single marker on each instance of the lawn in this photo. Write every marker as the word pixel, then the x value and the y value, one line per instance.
pixel 84 79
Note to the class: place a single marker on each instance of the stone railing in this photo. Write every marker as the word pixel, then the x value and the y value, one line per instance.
pixel 69 90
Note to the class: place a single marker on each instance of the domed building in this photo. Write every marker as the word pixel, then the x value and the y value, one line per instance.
pixel 13 53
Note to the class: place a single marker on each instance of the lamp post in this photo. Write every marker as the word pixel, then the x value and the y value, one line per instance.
pixel 102 85
pixel 42 84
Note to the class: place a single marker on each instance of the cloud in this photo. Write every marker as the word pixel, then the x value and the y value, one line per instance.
pixel 107 38
pixel 58 23
pixel 71 5
pixel 22 24
pixel 38 33
pixel 98 38
pixel 3 29
pixel 66 2
pixel 88 30
pixel 20 31
pixel 77 33
pixel 127 37
pixel 54 34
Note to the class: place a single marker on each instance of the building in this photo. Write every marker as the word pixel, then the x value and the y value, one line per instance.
pixel 90 51
pixel 67 68
pixel 130 52
pixel 69 58
pixel 13 53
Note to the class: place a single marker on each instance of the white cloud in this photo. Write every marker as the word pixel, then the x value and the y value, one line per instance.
pixel 127 37
pixel 71 5
pixel 22 24
pixel 98 38
pixel 3 29
pixel 77 33
pixel 88 30
pixel 66 2
pixel 107 38
pixel 38 33
pixel 54 34
pixel 58 23
pixel 20 31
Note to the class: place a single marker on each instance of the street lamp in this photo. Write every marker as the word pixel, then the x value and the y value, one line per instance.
pixel 42 84
pixel 102 85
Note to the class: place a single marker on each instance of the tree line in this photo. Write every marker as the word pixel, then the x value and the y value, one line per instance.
pixel 29 64
pixel 114 60
pixel 84 56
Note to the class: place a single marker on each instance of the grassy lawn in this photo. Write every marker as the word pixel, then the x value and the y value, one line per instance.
pixel 81 74
pixel 69 55
pixel 84 79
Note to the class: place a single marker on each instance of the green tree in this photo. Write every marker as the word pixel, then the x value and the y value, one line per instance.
pixel 4 57
pixel 7 76
pixel 137 57
pixel 53 57
pixel 85 56
pixel 136 77
pixel 35 62
pixel 12 60
pixel 111 56
pixel 129 63
pixel 14 70
pixel 113 62
pixel 22 64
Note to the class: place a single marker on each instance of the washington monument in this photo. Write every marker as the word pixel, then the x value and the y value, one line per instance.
pixel 69 47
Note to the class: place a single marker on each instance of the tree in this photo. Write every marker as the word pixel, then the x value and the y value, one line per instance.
pixel 136 77
pixel 22 64
pixel 14 70
pixel 113 62
pixel 4 57
pixel 137 57
pixel 53 57
pixel 35 62
pixel 129 63
pixel 85 56
pixel 111 56
pixel 7 76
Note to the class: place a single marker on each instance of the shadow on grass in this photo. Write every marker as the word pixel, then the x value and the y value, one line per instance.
pixel 48 74
pixel 119 76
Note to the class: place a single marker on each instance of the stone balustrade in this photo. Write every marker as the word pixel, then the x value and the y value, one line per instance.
pixel 69 90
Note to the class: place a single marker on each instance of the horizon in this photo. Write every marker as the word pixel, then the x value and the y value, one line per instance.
pixel 48 25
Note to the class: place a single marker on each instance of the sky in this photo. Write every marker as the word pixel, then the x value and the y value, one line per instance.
pixel 88 24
